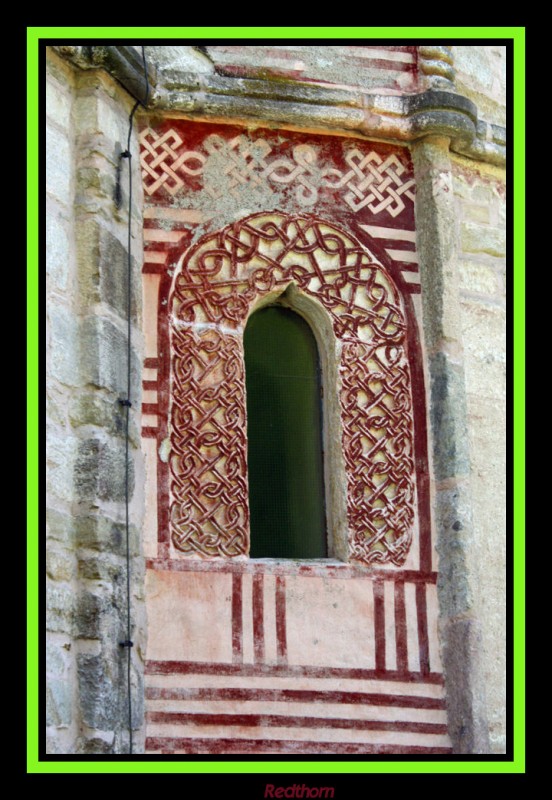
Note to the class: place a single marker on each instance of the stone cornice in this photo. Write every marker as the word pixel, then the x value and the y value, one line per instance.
pixel 405 118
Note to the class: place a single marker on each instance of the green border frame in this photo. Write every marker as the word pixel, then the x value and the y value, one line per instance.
pixel 517 259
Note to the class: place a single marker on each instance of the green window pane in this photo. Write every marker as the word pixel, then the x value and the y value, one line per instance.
pixel 284 430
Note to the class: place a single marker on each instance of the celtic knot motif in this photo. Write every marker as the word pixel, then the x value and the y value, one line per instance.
pixel 379 183
pixel 161 162
pixel 220 278
pixel 209 512
pixel 248 162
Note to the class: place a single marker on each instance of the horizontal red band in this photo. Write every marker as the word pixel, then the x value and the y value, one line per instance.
pixel 283 746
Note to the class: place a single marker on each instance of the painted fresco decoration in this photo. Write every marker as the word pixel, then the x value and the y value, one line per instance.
pixel 302 657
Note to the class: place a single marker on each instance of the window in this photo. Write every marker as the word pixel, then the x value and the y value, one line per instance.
pixel 284 431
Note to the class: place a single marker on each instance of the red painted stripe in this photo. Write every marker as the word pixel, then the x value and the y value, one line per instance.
pixel 281 570
pixel 151 268
pixel 421 607
pixel 283 721
pixel 286 671
pixel 296 696
pixel 149 433
pixel 283 746
pixel 258 618
pixel 379 625
pixel 281 629
pixel 151 363
pixel 150 385
pixel 400 628
pixel 150 408
pixel 237 621
pixel 413 288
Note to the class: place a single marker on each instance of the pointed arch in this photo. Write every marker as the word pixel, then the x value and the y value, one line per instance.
pixel 221 278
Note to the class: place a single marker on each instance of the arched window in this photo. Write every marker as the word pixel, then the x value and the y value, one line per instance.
pixel 284 432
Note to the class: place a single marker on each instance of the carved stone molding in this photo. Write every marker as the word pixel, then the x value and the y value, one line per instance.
pixel 436 67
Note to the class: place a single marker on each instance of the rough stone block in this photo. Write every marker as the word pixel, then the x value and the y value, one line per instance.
pixel 102 568
pixel 100 470
pixel 61 452
pixel 60 564
pixel 58 165
pixel 476 213
pixel 448 418
pixel 100 533
pixel 58 257
pixel 483 239
pixel 59 527
pixel 95 745
pixel 58 655
pixel 63 346
pixel 104 357
pixel 60 608
pixel 454 540
pixel 58 702
pixel 484 338
pixel 58 104
pixel 99 692
pixel 479 278
pixel 104 411
pixel 465 694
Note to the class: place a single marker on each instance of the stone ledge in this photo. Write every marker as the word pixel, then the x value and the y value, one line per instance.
pixel 404 118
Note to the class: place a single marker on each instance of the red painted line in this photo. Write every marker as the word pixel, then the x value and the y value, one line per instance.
pixel 258 618
pixel 286 671
pixel 296 696
pixel 150 408
pixel 237 620
pixel 151 363
pixel 281 570
pixel 151 268
pixel 149 385
pixel 283 746
pixel 415 362
pixel 421 607
pixel 379 625
pixel 149 433
pixel 284 721
pixel 400 628
pixel 281 630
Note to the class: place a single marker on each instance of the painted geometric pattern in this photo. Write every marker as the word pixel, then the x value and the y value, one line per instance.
pixel 220 279
pixel 365 180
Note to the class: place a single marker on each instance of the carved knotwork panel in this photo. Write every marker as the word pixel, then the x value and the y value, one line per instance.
pixel 220 279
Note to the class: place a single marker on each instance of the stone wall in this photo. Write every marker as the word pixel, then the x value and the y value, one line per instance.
pixel 87 124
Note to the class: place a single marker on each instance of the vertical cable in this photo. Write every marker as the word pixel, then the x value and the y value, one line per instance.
pixel 127 402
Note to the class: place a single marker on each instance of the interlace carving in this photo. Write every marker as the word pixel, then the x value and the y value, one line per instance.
pixel 220 278
pixel 368 179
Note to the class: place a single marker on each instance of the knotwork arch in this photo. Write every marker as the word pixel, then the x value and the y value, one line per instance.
pixel 220 279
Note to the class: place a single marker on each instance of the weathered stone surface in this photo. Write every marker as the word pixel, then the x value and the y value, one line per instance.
pixel 481 76
pixel 479 278
pixel 477 213
pixel 60 456
pixel 59 526
pixel 58 256
pixel 104 357
pixel 95 745
pixel 103 410
pixel 454 540
pixel 466 703
pixel 58 165
pixel 448 418
pixel 60 605
pixel 100 470
pixel 64 342
pixel 58 702
pixel 58 104
pixel 99 692
pixel 101 533
pixel 60 564
pixel 483 239
pixel 484 329
pixel 101 568
pixel 90 615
